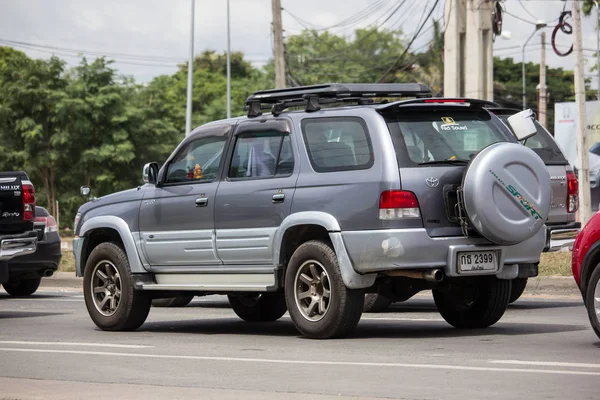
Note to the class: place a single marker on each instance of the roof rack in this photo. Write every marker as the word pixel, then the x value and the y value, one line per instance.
pixel 311 97
pixel 452 101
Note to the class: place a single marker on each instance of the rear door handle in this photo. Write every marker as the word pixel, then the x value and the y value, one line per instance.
pixel 201 201
pixel 278 198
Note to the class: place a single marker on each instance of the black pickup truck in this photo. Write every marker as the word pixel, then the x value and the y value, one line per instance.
pixel 17 215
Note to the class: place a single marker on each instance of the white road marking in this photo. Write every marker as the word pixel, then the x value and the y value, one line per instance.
pixel 307 362
pixel 46 299
pixel 546 363
pixel 122 346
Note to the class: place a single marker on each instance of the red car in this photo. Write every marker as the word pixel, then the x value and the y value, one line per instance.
pixel 586 268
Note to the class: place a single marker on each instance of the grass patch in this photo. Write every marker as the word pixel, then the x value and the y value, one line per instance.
pixel 67 264
pixel 556 263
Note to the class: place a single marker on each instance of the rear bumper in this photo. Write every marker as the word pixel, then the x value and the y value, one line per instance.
pixel 47 256
pixel 387 250
pixel 561 236
pixel 17 245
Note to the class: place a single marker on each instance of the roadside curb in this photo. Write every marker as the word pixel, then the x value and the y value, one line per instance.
pixel 558 285
pixel 62 280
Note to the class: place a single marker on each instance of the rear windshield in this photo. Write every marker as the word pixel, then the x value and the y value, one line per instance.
pixel 542 144
pixel 437 135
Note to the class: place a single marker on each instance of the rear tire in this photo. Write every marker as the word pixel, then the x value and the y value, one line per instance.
pixel 517 289
pixel 473 303
pixel 172 302
pixel 593 307
pixel 375 302
pixel 265 307
pixel 22 287
pixel 320 305
pixel 112 301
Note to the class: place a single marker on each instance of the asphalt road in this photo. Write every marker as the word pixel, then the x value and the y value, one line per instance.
pixel 543 348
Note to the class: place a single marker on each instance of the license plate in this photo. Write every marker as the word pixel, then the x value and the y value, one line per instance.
pixel 473 261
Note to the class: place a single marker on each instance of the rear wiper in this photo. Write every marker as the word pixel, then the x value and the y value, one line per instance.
pixel 455 161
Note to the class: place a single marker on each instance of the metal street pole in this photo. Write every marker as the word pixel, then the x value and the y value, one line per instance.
pixel 538 26
pixel 188 111
pixel 228 63
pixel 542 109
pixel 585 209
pixel 598 44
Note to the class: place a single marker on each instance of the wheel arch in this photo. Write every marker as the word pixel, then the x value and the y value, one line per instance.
pixel 102 229
pixel 313 225
pixel 590 260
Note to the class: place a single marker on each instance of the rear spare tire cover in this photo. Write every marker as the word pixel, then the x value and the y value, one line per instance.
pixel 507 193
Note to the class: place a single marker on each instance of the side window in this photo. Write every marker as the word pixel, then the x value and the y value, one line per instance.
pixel 337 144
pixel 262 155
pixel 199 161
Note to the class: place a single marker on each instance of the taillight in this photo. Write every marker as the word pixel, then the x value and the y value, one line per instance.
pixel 398 204
pixel 49 222
pixel 28 193
pixel 572 192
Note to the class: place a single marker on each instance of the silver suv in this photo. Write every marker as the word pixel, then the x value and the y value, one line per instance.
pixel 306 210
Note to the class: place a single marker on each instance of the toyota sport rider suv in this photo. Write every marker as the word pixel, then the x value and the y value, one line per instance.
pixel 302 207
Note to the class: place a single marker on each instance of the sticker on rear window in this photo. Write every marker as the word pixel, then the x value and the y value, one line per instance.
pixel 448 120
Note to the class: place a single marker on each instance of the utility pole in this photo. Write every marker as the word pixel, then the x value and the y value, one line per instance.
pixel 228 64
pixel 188 110
pixel 585 209
pixel 278 44
pixel 543 112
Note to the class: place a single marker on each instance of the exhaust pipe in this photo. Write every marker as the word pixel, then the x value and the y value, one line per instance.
pixel 432 275
pixel 48 273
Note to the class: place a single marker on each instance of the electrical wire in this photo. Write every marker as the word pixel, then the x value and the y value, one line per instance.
pixel 350 21
pixel 138 57
pixel 358 41
pixel 116 61
pixel 410 43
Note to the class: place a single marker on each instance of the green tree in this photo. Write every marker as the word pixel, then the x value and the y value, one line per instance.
pixel 508 85
pixel 372 55
pixel 32 131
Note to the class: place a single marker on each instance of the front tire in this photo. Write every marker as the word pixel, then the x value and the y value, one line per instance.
pixel 172 302
pixel 111 300
pixel 320 305
pixel 22 287
pixel 473 303
pixel 517 289
pixel 266 307
pixel 592 300
pixel 375 302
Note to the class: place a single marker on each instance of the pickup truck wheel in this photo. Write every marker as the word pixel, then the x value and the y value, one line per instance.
pixel 320 305
pixel 592 300
pixel 111 300
pixel 473 303
pixel 265 307
pixel 180 301
pixel 375 302
pixel 22 287
pixel 517 289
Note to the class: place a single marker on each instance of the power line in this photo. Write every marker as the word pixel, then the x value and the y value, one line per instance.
pixel 92 52
pixel 70 55
pixel 411 42
pixel 358 41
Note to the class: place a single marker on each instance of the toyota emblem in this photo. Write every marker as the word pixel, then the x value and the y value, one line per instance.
pixel 432 182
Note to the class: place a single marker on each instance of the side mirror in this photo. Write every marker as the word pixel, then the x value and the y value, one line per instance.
pixel 522 124
pixel 150 173
pixel 85 191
